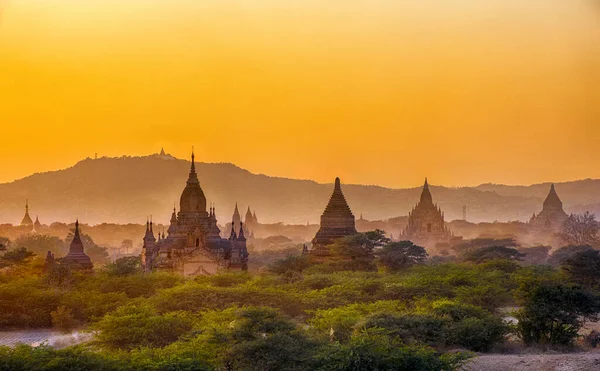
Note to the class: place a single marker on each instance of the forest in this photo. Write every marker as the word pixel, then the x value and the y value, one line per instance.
pixel 376 304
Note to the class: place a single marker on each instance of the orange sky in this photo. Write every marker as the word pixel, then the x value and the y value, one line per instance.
pixel 378 92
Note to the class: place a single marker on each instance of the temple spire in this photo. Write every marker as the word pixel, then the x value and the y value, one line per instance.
pixel 425 194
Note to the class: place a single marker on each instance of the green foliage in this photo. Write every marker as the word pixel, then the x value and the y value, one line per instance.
pixel 374 350
pixel 426 329
pixel 339 323
pixel 134 326
pixel 397 256
pixel 468 246
pixel 356 252
pixel 291 263
pixel 125 266
pixel 18 256
pixel 554 313
pixel 40 244
pixel 564 252
pixel 489 253
pixel 63 320
pixel 583 268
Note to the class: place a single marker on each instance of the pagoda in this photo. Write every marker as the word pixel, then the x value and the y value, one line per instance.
pixel 26 221
pixel 337 221
pixel 552 216
pixel 193 244
pixel 77 258
pixel 426 225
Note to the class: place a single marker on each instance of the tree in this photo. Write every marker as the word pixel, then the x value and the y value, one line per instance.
pixel 40 244
pixel 63 320
pixel 583 268
pixel 554 313
pixel 580 229
pixel 14 257
pixel 292 263
pixel 127 245
pixel 485 254
pixel 357 251
pixel 4 243
pixel 132 326
pixel 535 255
pixel 558 256
pixel 125 266
pixel 468 246
pixel 396 256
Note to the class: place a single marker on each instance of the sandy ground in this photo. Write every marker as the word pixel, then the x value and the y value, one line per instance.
pixel 536 362
pixel 37 337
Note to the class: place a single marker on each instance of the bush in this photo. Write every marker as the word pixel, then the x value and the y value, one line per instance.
pixel 410 328
pixel 125 266
pixel 63 320
pixel 554 313
pixel 373 350
pixel 134 326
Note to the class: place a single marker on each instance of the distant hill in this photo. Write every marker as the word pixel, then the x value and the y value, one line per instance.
pixel 127 189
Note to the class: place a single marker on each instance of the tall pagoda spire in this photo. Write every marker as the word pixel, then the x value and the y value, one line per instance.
pixel 193 201
pixel 552 200
pixel 337 219
pixel 76 256
pixel 426 194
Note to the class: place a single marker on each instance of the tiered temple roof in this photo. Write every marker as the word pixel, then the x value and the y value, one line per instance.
pixel 76 257
pixel 552 215
pixel 426 225
pixel 337 220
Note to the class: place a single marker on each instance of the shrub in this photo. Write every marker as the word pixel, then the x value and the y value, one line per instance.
pixel 134 326
pixel 63 320
pixel 410 328
pixel 554 313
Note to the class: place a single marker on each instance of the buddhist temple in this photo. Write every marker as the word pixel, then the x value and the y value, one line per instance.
pixel 37 225
pixel 77 258
pixel 193 245
pixel 552 216
pixel 426 226
pixel 337 221
pixel 26 221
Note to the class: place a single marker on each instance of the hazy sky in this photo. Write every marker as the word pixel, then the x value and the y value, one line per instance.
pixel 377 92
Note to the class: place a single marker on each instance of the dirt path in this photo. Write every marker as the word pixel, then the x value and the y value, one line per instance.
pixel 536 362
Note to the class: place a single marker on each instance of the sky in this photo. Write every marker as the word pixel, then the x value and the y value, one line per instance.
pixel 379 92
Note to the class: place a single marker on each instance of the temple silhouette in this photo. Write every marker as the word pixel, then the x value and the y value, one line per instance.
pixel 337 221
pixel 552 216
pixel 193 244
pixel 426 226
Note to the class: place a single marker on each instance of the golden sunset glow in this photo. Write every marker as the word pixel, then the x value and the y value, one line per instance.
pixel 376 92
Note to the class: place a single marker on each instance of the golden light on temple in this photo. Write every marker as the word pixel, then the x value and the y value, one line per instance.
pixel 376 92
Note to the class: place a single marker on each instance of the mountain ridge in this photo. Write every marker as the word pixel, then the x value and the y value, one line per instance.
pixel 129 188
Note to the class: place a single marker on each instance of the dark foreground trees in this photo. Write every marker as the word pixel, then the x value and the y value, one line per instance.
pixel 554 313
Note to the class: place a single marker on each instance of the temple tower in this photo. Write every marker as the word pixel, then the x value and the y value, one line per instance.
pixel 76 257
pixel 337 220
pixel 426 225
pixel 26 221
pixel 552 216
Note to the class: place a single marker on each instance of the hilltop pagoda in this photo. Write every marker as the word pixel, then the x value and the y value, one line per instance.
pixel 426 225
pixel 337 221
pixel 26 221
pixel 552 216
